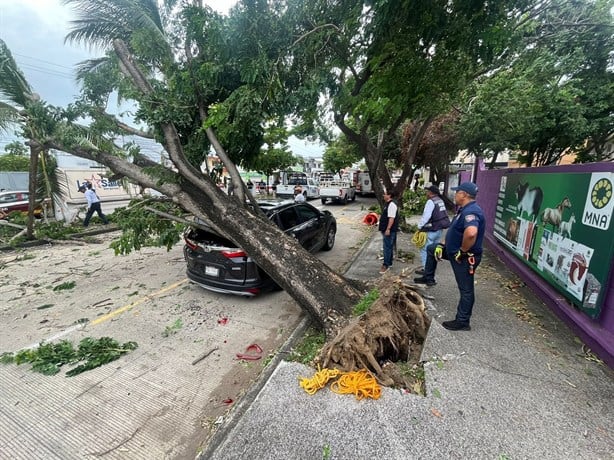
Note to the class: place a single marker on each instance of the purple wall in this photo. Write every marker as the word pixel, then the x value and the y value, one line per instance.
pixel 597 334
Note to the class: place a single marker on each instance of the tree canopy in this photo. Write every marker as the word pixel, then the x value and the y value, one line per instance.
pixel 555 93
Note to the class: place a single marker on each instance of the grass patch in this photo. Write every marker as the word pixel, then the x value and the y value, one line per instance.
pixel 308 348
pixel 415 373
pixel 366 302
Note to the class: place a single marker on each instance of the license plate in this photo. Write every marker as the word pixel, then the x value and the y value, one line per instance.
pixel 212 271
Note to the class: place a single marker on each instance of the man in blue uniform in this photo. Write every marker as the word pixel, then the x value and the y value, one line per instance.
pixel 463 248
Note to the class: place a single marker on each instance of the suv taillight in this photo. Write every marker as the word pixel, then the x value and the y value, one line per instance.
pixel 231 254
pixel 189 243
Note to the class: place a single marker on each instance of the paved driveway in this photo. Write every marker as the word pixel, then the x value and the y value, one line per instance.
pixel 155 402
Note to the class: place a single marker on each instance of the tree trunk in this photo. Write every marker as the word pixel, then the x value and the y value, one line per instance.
pixel 32 176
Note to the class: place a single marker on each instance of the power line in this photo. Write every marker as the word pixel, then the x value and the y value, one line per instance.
pixel 45 62
pixel 46 71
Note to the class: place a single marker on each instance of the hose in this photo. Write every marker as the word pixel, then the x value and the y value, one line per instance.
pixel 419 239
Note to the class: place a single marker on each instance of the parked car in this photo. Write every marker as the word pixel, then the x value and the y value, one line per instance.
pixel 11 201
pixel 216 263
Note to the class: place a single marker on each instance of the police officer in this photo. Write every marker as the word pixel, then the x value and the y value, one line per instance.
pixel 463 248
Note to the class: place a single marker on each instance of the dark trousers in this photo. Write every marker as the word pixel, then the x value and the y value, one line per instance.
pixel 464 280
pixel 95 207
pixel 389 242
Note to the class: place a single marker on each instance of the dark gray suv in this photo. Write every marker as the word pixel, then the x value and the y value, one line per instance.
pixel 217 264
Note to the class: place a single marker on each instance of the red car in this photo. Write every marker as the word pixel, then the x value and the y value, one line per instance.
pixel 16 201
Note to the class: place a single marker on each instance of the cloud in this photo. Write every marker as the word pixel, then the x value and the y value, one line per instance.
pixel 34 31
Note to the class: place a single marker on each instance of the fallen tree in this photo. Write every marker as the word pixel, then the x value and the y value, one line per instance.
pixel 181 120
pixel 395 323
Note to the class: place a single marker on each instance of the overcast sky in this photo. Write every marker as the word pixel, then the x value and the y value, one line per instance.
pixel 34 31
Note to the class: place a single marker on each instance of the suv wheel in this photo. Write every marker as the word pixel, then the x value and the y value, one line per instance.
pixel 330 238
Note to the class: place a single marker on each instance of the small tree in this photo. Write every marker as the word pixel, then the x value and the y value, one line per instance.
pixel 16 148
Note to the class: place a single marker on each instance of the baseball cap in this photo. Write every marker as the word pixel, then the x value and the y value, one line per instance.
pixel 468 187
pixel 433 189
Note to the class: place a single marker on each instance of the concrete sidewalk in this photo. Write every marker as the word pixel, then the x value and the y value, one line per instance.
pixel 518 385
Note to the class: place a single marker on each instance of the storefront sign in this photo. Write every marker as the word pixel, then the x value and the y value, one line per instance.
pixel 561 226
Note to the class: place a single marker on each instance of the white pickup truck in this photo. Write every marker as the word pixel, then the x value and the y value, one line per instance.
pixel 337 190
pixel 310 188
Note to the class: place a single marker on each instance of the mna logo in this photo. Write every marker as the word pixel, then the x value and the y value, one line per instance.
pixel 599 203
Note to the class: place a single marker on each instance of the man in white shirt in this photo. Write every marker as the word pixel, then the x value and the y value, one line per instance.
pixel 93 204
pixel 298 195
pixel 388 225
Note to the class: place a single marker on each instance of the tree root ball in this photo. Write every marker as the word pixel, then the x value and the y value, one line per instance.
pixel 392 330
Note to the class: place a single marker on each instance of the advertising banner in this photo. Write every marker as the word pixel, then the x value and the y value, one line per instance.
pixel 105 188
pixel 561 226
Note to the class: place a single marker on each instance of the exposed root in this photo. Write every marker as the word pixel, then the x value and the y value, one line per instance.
pixel 390 331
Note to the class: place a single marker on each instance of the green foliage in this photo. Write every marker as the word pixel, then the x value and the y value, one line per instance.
pixel 416 375
pixel 64 286
pixel 49 358
pixel 142 227
pixel 413 203
pixel 555 96
pixel 173 328
pixel 16 148
pixel 306 351
pixel 16 157
pixel 366 302
pixel 11 162
pixel 340 154
pixel 96 352
pixel 275 155
pixel 326 452
pixel 55 230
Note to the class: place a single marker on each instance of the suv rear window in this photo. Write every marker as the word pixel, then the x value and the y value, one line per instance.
pixel 287 219
pixel 305 214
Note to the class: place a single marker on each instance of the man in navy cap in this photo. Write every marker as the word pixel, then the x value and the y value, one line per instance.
pixel 463 248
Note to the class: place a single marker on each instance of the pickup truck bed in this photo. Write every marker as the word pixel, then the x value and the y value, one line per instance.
pixel 337 191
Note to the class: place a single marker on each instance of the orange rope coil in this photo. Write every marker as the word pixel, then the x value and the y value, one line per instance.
pixel 361 384
pixel 318 381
